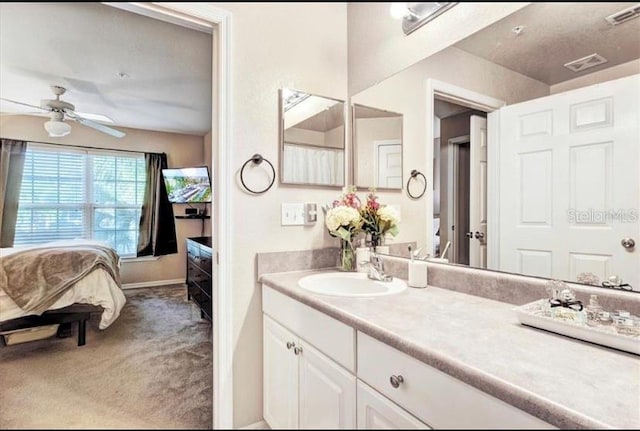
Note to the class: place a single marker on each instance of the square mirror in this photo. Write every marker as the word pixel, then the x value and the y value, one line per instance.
pixel 377 148
pixel 312 139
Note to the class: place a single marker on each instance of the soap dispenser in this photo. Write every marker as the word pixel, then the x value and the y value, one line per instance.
pixel 363 254
pixel 417 270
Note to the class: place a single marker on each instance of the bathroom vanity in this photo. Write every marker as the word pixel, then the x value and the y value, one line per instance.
pixel 431 358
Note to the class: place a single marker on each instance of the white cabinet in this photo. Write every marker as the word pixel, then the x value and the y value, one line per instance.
pixel 378 412
pixel 303 388
pixel 280 377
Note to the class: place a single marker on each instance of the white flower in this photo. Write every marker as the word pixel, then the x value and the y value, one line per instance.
pixel 340 216
pixel 387 213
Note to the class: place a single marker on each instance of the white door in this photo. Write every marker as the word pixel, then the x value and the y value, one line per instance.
pixel 569 175
pixel 478 193
pixel 280 402
pixel 375 411
pixel 388 163
pixel 327 392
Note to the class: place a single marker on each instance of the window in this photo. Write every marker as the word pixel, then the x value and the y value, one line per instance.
pixel 72 193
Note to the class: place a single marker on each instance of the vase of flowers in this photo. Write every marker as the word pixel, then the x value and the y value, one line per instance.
pixel 378 220
pixel 344 221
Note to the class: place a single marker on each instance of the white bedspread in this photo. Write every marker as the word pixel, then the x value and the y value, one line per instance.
pixel 97 288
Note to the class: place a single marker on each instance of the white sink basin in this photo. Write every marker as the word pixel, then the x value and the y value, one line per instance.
pixel 350 284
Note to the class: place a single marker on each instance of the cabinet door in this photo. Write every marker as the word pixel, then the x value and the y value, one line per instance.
pixel 327 392
pixel 375 411
pixel 280 377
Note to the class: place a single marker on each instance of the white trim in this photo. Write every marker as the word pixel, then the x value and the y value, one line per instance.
pixel 493 204
pixel 152 283
pixel 134 259
pixel 462 96
pixel 221 21
pixel 262 425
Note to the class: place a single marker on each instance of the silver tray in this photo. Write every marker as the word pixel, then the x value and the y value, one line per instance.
pixel 573 324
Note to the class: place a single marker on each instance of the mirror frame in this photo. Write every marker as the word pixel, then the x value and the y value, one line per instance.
pixel 281 144
pixel 354 156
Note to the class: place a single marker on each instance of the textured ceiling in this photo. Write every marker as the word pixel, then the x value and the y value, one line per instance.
pixel 83 47
pixel 555 34
pixel 367 112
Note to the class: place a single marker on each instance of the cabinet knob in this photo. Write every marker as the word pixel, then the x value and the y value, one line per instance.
pixel 297 350
pixel 396 381
pixel 290 345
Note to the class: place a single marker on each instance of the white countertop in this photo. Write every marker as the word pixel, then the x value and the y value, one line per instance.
pixel 565 382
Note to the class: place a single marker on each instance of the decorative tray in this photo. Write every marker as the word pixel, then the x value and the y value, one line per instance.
pixel 622 334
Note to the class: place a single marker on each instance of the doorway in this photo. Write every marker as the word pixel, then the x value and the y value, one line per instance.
pixel 457 221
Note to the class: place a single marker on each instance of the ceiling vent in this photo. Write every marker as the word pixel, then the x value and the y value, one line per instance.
pixel 585 63
pixel 624 15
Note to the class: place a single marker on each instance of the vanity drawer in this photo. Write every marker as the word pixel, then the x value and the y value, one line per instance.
pixel 330 336
pixel 433 396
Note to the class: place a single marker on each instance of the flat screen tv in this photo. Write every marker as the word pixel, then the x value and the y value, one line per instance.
pixel 188 185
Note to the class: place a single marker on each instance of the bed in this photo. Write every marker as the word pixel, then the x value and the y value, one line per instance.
pixel 97 289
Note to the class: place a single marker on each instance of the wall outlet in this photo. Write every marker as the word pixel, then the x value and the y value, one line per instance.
pixel 292 214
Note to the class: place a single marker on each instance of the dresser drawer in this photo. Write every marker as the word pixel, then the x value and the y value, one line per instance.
pixel 195 274
pixel 205 261
pixel 193 252
pixel 201 298
pixel 434 397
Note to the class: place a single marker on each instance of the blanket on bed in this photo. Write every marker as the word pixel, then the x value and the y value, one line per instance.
pixel 36 278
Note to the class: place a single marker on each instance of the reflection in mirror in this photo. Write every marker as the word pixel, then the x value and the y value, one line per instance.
pixel 533 145
pixel 377 148
pixel 311 139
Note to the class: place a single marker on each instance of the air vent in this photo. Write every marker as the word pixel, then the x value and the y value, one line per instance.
pixel 624 15
pixel 585 63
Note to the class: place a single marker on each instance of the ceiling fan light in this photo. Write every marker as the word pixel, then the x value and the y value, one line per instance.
pixel 57 129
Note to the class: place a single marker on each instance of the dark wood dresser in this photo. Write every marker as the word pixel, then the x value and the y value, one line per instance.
pixel 199 274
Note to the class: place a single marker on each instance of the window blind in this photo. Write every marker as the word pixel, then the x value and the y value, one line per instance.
pixel 69 193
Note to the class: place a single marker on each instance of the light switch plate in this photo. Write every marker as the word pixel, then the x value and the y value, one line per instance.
pixel 293 214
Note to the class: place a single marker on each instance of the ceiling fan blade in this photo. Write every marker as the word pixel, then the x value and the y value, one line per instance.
pixel 100 127
pixel 25 104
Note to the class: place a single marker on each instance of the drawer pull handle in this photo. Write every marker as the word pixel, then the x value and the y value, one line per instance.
pixel 297 350
pixel 290 345
pixel 396 381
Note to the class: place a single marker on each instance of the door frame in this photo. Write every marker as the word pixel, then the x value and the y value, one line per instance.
pixel 461 96
pixel 453 165
pixel 217 21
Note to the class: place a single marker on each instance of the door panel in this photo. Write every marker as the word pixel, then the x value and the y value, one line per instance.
pixel 327 392
pixel 569 175
pixel 388 159
pixel 478 193
pixel 375 411
pixel 280 377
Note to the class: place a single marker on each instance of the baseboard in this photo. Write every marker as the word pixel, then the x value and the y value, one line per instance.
pixel 152 283
pixel 262 425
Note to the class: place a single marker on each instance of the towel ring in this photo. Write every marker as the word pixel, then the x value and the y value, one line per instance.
pixel 413 175
pixel 257 159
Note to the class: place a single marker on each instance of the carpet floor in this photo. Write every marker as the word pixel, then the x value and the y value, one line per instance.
pixel 152 368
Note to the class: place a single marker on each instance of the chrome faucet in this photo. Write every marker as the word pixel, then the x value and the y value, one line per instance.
pixel 376 268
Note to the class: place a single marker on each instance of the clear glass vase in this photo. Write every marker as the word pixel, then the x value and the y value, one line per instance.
pixel 347 256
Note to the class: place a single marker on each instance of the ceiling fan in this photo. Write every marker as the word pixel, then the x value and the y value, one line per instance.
pixel 59 110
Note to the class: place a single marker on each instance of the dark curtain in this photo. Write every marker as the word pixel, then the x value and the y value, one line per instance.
pixel 157 235
pixel 12 155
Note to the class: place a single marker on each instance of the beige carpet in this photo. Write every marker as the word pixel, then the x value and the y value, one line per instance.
pixel 152 368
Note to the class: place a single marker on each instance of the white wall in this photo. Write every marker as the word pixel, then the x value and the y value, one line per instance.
pixel 378 48
pixel 182 150
pixel 405 93
pixel 615 72
pixel 275 45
